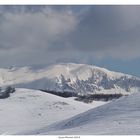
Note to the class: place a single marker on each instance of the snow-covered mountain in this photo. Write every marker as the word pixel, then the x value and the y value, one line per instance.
pixel 69 77
pixel 28 111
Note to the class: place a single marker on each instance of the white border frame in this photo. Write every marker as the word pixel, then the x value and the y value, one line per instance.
pixel 69 2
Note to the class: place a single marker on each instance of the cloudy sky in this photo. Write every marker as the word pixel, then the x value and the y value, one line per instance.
pixel 106 36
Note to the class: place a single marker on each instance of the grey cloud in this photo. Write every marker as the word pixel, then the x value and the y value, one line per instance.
pixel 25 37
pixel 32 30
pixel 108 28
pixel 48 34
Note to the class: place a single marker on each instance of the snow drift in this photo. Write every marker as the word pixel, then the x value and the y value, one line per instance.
pixel 121 116
pixel 26 110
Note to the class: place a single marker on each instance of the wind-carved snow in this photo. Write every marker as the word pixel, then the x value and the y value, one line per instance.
pixel 69 77
pixel 26 110
pixel 121 116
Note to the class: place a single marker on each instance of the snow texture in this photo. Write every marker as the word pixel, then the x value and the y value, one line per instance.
pixel 119 117
pixel 26 110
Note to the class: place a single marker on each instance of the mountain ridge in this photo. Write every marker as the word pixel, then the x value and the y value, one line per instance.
pixel 71 77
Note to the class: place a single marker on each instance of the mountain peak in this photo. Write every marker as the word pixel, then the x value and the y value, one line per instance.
pixel 71 77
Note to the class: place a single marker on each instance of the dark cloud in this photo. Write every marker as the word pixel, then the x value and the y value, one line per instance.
pixel 48 34
pixel 105 29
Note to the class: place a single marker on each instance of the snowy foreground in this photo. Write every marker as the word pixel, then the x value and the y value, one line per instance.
pixel 119 117
pixel 27 110
pixel 32 112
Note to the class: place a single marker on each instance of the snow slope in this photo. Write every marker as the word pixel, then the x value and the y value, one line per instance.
pixel 26 110
pixel 77 78
pixel 119 117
